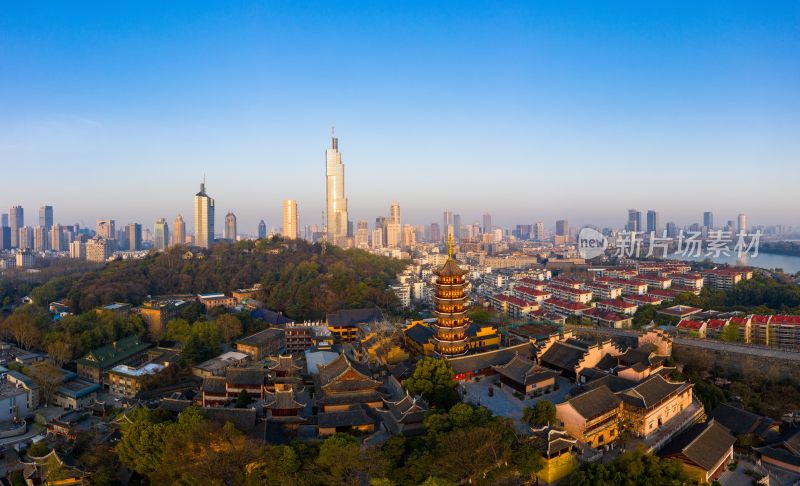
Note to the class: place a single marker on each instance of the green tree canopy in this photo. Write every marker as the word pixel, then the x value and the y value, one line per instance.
pixel 433 379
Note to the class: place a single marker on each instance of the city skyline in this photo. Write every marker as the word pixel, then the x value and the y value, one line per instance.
pixel 498 101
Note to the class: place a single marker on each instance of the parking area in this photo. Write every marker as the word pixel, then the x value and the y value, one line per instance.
pixel 503 402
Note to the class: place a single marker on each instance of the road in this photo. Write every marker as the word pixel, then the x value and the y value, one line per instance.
pixel 712 344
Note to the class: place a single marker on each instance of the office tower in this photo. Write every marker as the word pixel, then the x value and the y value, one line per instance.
pixel 394 235
pixel 377 238
pixel 25 238
pixel 336 202
pixel 16 220
pixel 203 218
pixel 5 238
pixel 230 227
pixel 105 229
pixel 448 223
pixel 161 230
pixel 3 220
pixel 46 217
pixel 456 226
pixel 653 223
pixel 179 231
pixel 708 220
pixel 672 229
pixel 262 229
pixel 24 259
pixel 538 230
pixel 487 223
pixel 58 238
pixel 394 213
pixel 634 220
pixel 362 234
pixel 522 231
pixel 40 240
pixel 98 249
pixel 290 218
pixel 741 226
pixel 350 229
pixel 562 227
pixel 436 233
pixel 134 237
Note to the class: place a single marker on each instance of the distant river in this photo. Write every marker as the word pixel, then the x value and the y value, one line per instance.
pixel 789 264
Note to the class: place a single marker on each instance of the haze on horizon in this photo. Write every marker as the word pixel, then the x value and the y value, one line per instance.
pixel 526 110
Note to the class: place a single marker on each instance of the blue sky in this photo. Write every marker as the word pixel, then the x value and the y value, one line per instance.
pixel 528 110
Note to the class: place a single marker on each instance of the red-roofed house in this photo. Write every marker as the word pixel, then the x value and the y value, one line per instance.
pixel 619 306
pixel 607 318
pixel 689 326
pixel 564 307
pixel 642 299
pixel 714 327
pixel 603 291
pixel 743 323
pixel 512 306
pixel 530 294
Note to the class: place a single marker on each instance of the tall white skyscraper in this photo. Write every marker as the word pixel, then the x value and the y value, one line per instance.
pixel 394 213
pixel 230 226
pixel 336 202
pixel 161 231
pixel 203 218
pixel 742 224
pixel 290 219
pixel 179 234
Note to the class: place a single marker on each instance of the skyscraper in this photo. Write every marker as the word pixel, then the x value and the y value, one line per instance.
pixel 336 202
pixel 448 224
pixel 741 224
pixel 16 221
pixel 436 233
pixel 161 238
pixel 262 229
pixel 487 223
pixel 46 217
pixel 3 220
pixel 562 227
pixel 25 238
pixel 634 220
pixel 179 235
pixel 105 229
pixel 40 240
pixel 203 218
pixel 230 227
pixel 58 238
pixel 134 237
pixel 653 223
pixel 708 220
pixel 456 226
pixel 538 230
pixel 394 213
pixel 290 218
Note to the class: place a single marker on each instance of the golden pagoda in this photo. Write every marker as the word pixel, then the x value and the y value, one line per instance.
pixel 451 308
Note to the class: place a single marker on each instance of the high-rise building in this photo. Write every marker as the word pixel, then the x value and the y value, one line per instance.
pixel 741 226
pixel 634 220
pixel 105 229
pixel 40 240
pixel 203 218
pixel 5 238
pixel 336 202
pixel 448 224
pixel 451 308
pixel 456 226
pixel 161 238
pixel 98 249
pixel 394 235
pixel 134 237
pixel 523 231
pixel 653 223
pixel 409 236
pixel 58 238
pixel 290 217
pixel 672 229
pixel 262 229
pixel 25 238
pixel 487 223
pixel 230 227
pixel 394 213
pixel 3 220
pixel 538 230
pixel 377 238
pixel 708 220
pixel 77 249
pixel 16 221
pixel 436 233
pixel 362 234
pixel 179 231
pixel 46 217
pixel 562 227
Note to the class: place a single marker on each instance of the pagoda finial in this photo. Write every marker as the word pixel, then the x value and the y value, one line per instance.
pixel 449 246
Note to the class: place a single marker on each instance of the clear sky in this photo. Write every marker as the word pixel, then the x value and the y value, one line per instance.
pixel 528 110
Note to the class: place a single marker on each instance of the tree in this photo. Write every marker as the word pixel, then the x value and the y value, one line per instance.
pixel 230 327
pixel 23 329
pixel 60 352
pixel 631 468
pixel 178 330
pixel 143 442
pixel 243 400
pixel 342 461
pixel 49 377
pixel 433 379
pixel 541 414
pixel 730 332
